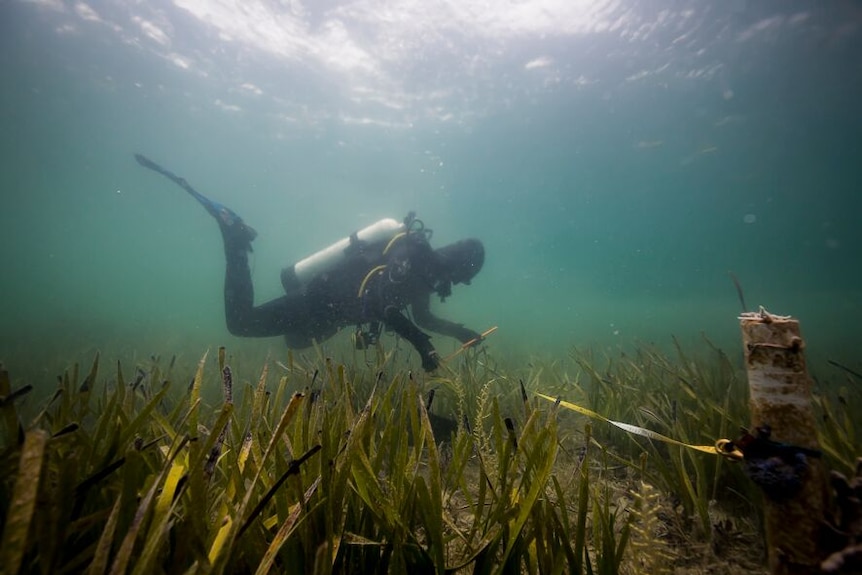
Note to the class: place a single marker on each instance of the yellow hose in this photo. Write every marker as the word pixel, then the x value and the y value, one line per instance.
pixel 397 236
pixel 379 268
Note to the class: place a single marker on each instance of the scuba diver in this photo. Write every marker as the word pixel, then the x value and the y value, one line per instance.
pixel 368 280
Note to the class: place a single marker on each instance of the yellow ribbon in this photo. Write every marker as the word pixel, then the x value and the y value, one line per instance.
pixel 722 447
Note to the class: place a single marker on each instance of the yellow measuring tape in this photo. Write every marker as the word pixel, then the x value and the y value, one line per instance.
pixel 722 447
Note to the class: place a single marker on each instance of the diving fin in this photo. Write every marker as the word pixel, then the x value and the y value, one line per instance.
pixel 229 222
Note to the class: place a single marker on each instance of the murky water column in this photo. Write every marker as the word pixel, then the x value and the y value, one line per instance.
pixel 794 482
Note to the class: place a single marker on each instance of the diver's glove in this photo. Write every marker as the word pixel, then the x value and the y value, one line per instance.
pixel 430 360
pixel 466 335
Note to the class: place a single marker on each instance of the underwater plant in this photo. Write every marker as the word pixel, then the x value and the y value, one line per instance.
pixel 318 466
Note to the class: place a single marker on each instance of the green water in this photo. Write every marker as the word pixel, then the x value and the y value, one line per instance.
pixel 617 159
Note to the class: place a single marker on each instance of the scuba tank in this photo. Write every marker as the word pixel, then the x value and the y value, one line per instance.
pixel 294 276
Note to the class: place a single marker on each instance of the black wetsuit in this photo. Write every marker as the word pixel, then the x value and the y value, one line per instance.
pixel 331 301
pixel 411 272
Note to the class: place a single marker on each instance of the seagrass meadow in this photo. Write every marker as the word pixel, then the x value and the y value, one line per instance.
pixel 341 462
pixel 625 164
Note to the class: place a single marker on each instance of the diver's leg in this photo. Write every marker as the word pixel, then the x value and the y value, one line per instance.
pixel 238 289
pixel 282 316
pixel 286 315
pixel 242 319
pixel 270 319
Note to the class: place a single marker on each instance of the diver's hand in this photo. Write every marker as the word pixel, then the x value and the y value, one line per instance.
pixel 468 336
pixel 430 360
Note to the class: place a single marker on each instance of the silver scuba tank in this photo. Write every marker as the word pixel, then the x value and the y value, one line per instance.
pixel 294 276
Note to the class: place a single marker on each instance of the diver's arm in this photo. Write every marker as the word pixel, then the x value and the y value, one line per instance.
pixel 420 340
pixel 421 307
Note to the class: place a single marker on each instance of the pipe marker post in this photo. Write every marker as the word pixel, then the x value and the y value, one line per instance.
pixel 780 395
